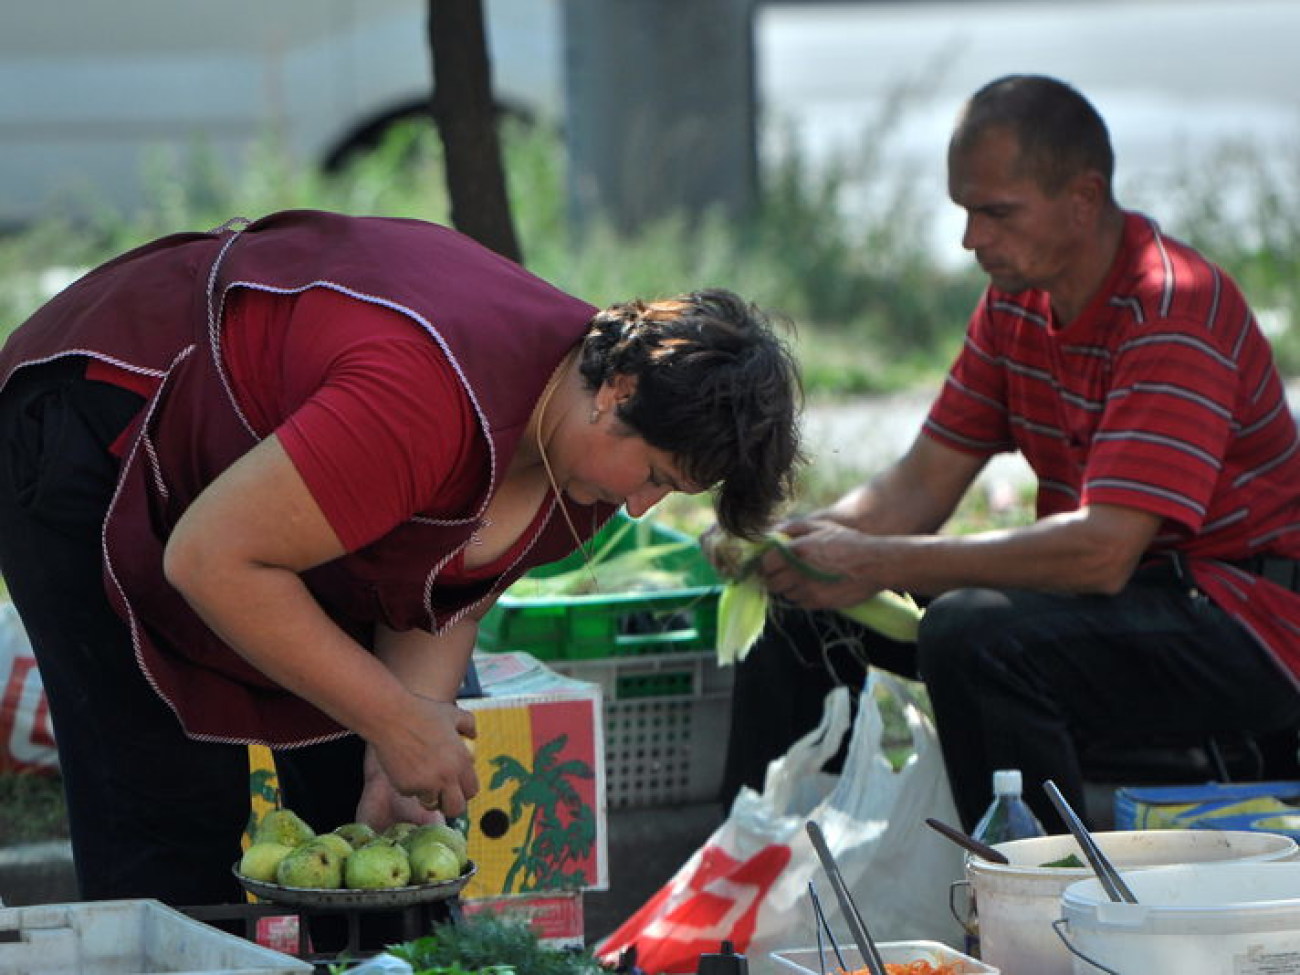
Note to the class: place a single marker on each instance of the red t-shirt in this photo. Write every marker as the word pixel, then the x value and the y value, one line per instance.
pixel 1162 396
pixel 368 408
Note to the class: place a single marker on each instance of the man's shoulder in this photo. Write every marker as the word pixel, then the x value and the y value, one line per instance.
pixel 1163 278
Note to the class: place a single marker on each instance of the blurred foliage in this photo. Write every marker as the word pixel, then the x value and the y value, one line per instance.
pixel 31 808
pixel 861 285
pixel 1242 209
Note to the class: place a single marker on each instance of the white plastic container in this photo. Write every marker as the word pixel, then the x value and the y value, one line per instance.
pixel 1192 919
pixel 139 937
pixel 1018 902
pixel 806 961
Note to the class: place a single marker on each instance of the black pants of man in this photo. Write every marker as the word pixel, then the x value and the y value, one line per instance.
pixel 152 812
pixel 780 687
pixel 1018 678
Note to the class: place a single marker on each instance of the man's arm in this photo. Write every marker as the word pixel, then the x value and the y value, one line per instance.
pixel 917 494
pixel 884 536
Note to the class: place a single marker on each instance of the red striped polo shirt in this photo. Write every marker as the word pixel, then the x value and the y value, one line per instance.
pixel 1161 396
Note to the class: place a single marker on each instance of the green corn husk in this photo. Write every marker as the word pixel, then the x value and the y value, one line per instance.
pixel 742 612
pixel 632 571
pixel 743 605
pixel 889 613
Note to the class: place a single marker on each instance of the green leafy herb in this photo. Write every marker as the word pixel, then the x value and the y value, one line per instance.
pixel 488 944
pixel 1066 861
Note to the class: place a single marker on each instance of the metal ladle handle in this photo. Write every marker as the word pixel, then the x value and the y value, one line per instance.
pixel 857 927
pixel 1111 881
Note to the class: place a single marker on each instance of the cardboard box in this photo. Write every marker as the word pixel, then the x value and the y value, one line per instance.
pixel 539 820
pixel 1272 807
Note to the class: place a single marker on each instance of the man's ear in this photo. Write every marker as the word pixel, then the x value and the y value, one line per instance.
pixel 1089 193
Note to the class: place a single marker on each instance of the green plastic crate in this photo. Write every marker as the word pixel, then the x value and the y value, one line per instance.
pixel 617 624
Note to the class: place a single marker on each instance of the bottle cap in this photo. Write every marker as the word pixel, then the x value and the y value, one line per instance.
pixel 1007 782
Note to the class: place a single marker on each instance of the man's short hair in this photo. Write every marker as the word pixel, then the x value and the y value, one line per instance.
pixel 1059 132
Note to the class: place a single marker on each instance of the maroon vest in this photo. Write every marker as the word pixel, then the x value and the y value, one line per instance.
pixel 157 310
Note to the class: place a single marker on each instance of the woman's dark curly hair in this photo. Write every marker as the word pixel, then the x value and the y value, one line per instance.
pixel 716 388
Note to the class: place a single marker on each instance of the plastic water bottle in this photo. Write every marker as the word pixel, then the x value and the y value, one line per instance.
pixel 1008 817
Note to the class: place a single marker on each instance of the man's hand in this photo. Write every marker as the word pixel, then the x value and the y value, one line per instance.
pixel 830 576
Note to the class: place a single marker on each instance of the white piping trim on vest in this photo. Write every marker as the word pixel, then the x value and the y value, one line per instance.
pixel 215 311
pixel 142 442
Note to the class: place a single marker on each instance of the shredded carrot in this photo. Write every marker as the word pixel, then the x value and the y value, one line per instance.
pixel 920 967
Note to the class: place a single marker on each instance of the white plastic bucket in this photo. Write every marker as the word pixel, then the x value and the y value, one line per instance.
pixel 1018 902
pixel 1192 919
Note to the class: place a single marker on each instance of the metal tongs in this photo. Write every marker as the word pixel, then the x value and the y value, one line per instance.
pixel 857 927
pixel 1111 881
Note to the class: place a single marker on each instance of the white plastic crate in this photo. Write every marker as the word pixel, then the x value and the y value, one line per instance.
pixel 127 937
pixel 659 711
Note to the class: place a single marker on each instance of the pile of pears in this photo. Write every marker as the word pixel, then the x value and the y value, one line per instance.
pixel 287 851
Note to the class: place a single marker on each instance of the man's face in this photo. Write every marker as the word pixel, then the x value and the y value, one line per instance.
pixel 1021 237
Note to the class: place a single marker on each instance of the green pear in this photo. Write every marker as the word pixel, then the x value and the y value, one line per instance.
pixel 283 826
pixel 339 844
pixel 432 861
pixel 260 860
pixel 313 865
pixel 357 834
pixel 398 831
pixel 376 866
pixel 448 836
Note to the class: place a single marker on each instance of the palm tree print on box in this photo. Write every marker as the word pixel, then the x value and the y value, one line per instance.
pixel 561 828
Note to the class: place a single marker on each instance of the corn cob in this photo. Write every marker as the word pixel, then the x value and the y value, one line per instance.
pixel 743 604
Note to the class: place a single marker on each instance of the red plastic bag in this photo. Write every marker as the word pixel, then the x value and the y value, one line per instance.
pixel 749 883
pixel 26 734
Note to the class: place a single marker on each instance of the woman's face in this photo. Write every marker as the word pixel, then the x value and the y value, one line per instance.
pixel 621 468
pixel 608 461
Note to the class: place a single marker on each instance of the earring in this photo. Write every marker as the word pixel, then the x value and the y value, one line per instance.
pixel 595 414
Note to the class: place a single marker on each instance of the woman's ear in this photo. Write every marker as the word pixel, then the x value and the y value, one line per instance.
pixel 619 388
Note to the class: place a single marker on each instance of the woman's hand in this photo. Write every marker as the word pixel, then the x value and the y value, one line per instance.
pixel 420 765
pixel 381 805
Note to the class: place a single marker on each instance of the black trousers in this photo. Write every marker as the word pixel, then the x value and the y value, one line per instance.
pixel 780 687
pixel 152 812
pixel 1019 679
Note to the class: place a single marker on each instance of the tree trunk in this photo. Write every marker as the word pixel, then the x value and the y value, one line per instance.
pixel 465 112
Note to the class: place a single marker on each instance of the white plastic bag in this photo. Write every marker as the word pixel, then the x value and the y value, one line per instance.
pixel 749 883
